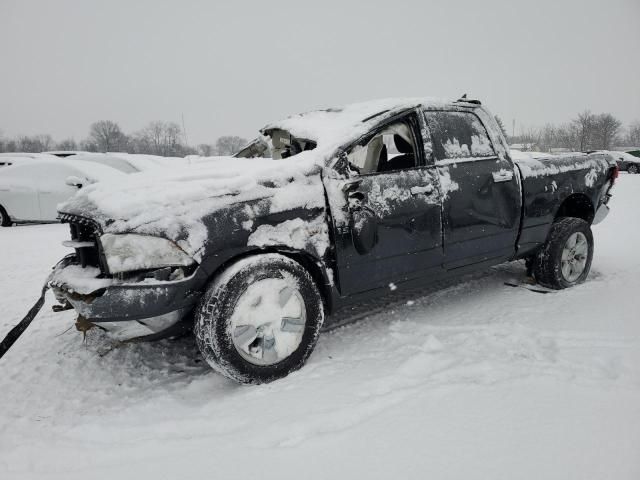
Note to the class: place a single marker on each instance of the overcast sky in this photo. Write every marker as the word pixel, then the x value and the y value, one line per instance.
pixel 231 66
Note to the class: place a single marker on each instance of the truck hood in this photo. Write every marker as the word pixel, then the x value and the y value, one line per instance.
pixel 173 202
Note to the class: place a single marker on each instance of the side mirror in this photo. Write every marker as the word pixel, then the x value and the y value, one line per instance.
pixel 341 164
pixel 350 184
pixel 74 181
pixel 364 229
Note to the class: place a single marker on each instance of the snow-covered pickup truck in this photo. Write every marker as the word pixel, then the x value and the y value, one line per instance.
pixel 325 209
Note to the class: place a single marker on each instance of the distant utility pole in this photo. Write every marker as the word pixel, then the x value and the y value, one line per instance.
pixel 184 131
pixel 513 128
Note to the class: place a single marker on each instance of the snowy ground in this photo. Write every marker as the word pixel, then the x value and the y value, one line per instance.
pixel 478 380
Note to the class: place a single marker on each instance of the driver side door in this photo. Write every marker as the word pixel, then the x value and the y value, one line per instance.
pixel 388 225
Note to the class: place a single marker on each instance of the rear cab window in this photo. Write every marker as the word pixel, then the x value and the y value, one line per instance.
pixel 458 136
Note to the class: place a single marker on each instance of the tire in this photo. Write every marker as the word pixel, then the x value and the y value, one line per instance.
pixel 632 169
pixel 244 327
pixel 5 220
pixel 559 264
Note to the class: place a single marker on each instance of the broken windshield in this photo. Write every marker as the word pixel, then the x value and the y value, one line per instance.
pixel 276 144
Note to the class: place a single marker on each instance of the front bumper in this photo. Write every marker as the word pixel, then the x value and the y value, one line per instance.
pixel 152 328
pixel 127 310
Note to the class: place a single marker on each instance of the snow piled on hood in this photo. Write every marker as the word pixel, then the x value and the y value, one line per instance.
pixel 171 203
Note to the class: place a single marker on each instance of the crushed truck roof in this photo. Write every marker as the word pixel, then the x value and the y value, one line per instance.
pixel 332 127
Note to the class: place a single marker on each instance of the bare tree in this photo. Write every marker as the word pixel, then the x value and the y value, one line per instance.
pixel 69 144
pixel 606 129
pixel 584 125
pixel 501 125
pixel 633 135
pixel 10 145
pixel 206 150
pixel 160 138
pixel 107 136
pixel 88 146
pixel 34 143
pixel 529 138
pixel 567 137
pixel 229 144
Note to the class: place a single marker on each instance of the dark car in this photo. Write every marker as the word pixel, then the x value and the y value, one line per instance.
pixel 627 161
pixel 257 251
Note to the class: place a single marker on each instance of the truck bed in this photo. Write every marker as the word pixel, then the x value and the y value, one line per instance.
pixel 549 180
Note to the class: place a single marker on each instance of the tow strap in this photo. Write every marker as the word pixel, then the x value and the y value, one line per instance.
pixel 19 329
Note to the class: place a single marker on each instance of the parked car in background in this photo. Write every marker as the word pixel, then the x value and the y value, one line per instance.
pixel 145 162
pixel 7 161
pixel 66 153
pixel 31 190
pixel 119 163
pixel 626 161
pixel 27 155
pixel 126 163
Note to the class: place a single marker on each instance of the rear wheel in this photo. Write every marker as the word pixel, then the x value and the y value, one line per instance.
pixel 260 319
pixel 632 169
pixel 565 259
pixel 5 220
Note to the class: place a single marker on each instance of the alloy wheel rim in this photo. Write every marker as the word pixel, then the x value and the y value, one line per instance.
pixel 574 257
pixel 268 321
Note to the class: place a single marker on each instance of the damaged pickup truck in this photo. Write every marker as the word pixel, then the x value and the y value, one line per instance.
pixel 324 209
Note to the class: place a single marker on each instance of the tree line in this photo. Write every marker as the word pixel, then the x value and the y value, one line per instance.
pixel 587 131
pixel 157 138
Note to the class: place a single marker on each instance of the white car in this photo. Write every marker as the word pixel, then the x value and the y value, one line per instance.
pixel 66 153
pixel 8 159
pixel 113 161
pixel 30 191
pixel 122 164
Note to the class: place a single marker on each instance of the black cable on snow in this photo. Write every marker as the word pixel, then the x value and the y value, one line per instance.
pixel 19 329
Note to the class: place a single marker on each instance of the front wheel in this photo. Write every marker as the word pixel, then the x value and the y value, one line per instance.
pixel 565 259
pixel 632 169
pixel 260 319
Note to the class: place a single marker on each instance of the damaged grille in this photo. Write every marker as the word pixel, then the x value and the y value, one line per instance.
pixel 84 239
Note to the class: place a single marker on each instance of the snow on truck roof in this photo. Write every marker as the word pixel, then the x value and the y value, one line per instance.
pixel 332 127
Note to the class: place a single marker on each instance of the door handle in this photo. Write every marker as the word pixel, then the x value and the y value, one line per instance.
pixel 502 176
pixel 426 190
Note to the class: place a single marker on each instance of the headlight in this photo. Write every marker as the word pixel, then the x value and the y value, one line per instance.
pixel 130 252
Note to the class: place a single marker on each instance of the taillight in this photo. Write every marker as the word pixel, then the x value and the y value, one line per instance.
pixel 615 171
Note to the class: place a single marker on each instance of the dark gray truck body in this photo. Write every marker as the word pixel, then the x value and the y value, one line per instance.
pixel 437 217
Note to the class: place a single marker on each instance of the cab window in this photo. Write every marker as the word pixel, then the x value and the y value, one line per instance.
pixel 390 149
pixel 458 135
